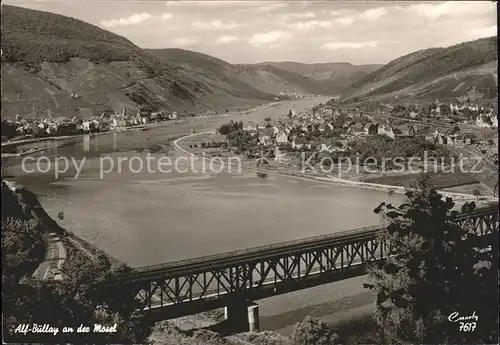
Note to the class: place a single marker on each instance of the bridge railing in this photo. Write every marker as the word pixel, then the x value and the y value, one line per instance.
pixel 255 249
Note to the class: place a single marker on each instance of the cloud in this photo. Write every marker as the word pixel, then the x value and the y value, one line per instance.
pixel 374 13
pixel 483 32
pixel 166 16
pixel 451 8
pixel 255 5
pixel 347 17
pixel 303 15
pixel 132 20
pixel 226 39
pixel 271 7
pixel 348 45
pixel 184 41
pixel 308 25
pixel 215 25
pixel 268 37
pixel 344 21
pixel 342 12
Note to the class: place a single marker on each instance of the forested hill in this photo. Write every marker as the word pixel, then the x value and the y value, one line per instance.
pixel 433 73
pixel 48 57
pixel 34 36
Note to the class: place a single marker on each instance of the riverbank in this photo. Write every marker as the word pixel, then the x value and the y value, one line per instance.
pixel 331 180
pixel 61 245
pixel 145 126
pixel 29 152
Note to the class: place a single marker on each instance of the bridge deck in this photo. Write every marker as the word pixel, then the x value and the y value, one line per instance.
pixel 190 286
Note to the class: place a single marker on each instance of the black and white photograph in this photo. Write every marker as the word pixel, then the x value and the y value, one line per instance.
pixel 249 172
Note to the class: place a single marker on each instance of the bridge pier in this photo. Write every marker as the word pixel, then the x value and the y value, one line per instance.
pixel 242 316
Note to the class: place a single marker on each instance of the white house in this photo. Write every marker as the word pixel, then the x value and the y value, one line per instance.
pixel 494 121
pixel 386 130
pixel 86 126
pixel 281 138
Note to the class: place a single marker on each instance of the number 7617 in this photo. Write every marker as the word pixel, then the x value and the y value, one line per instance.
pixel 467 326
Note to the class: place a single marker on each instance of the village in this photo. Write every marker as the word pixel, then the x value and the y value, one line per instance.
pixel 30 126
pixel 334 131
pixel 330 128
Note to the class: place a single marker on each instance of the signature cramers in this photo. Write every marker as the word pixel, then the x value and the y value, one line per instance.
pixel 373 165
pixel 456 317
pixel 150 164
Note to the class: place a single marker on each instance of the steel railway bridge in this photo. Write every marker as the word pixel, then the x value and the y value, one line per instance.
pixel 234 279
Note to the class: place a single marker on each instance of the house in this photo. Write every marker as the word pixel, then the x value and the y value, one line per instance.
pixel 298 143
pixel 427 133
pixel 86 126
pixel 412 130
pixel 494 121
pixel 397 132
pixel 261 126
pixel 445 139
pixel 265 136
pixel 79 126
pixel 401 131
pixel 386 130
pixel 96 124
pixel 373 128
pixel 358 129
pixel 282 137
pixel 251 127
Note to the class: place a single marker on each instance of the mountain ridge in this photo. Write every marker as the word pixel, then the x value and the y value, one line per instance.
pixel 66 67
pixel 269 77
pixel 47 58
pixel 445 72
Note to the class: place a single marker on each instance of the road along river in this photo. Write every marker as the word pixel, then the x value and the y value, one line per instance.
pixel 148 218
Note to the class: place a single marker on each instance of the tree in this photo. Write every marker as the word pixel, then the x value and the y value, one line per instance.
pixel 224 129
pixel 312 331
pixel 432 272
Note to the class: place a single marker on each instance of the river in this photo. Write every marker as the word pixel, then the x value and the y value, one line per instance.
pixel 149 218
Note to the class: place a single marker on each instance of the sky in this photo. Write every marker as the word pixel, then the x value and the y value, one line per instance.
pixel 366 32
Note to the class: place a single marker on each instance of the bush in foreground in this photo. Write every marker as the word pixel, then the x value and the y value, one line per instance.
pixel 312 331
